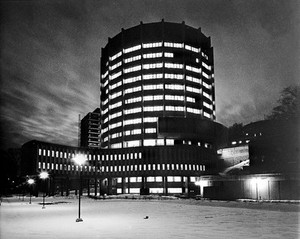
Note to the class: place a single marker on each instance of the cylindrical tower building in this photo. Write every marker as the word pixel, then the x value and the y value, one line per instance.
pixel 152 72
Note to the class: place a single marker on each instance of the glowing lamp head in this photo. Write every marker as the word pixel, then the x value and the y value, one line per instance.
pixel 30 181
pixel 44 175
pixel 80 159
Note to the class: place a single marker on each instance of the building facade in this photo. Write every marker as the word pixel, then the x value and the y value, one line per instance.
pixel 90 130
pixel 157 116
pixel 150 73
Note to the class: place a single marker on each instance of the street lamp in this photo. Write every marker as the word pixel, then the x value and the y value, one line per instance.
pixel 80 160
pixel 30 182
pixel 44 175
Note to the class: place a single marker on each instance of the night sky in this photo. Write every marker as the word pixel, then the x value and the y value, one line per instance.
pixel 50 57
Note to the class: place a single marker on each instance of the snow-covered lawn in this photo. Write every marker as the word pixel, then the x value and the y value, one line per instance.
pixel 166 219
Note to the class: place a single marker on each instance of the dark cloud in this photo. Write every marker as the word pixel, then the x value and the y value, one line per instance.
pixel 50 57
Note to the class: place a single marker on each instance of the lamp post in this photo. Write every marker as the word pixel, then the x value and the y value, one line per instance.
pixel 80 160
pixel 44 175
pixel 30 182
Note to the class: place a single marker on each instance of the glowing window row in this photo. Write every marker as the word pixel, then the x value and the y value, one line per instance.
pixel 115 65
pixel 131 59
pixel 207 95
pixel 115 115
pixel 133 132
pixel 113 86
pixel 193 89
pixel 118 104
pixel 207 115
pixel 205 75
pixel 115 125
pixel 105 74
pixel 158 44
pixel 115 56
pixel 174 76
pixel 133 100
pixel 131 49
pixel 174 108
pixel 132 121
pixel 193 69
pixel 115 95
pixel 208 105
pixel 206 66
pixel 116 75
pixel 193 79
pixel 152 66
pixel 152 55
pixel 190 48
pixel 152 45
pixel 133 111
pixel 116 135
pixel 150 167
pixel 174 65
pixel 133 69
pixel 153 97
pixel 65 167
pixel 193 110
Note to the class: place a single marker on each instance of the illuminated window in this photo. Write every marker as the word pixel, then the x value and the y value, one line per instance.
pixel 207 95
pixel 153 87
pixel 118 124
pixel 153 97
pixel 206 66
pixel 133 121
pixel 193 69
pixel 115 65
pixel 169 141
pixel 133 100
pixel 116 85
pixel 153 108
pixel 152 66
pixel 174 65
pixel 132 79
pixel 132 90
pixel 116 75
pixel 153 55
pixel 174 87
pixel 115 95
pixel 190 99
pixel 133 69
pixel 149 142
pixel 151 45
pixel 152 76
pixel 207 86
pixel 193 79
pixel 104 75
pixel 131 59
pixel 169 54
pixel 190 48
pixel 133 111
pixel 118 104
pixel 193 110
pixel 115 115
pixel 174 97
pixel 116 135
pixel 115 56
pixel 204 55
pixel 205 75
pixel 150 130
pixel 133 132
pixel 193 89
pixel 131 49
pixel 207 105
pixel 174 76
pixel 133 143
pixel 175 45
pixel 207 115
pixel 174 108
pixel 150 119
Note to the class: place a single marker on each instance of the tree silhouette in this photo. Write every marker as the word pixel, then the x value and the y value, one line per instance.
pixel 288 104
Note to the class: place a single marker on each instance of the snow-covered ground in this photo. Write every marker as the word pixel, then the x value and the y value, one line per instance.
pixel 117 218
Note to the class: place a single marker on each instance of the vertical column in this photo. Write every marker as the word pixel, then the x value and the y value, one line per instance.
pixel 95 185
pixel 165 185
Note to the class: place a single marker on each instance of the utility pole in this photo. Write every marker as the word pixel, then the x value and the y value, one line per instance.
pixel 79 130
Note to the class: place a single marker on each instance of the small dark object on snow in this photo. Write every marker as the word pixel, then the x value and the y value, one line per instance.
pixel 146 217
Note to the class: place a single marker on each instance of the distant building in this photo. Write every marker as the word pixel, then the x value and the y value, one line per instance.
pixel 90 130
